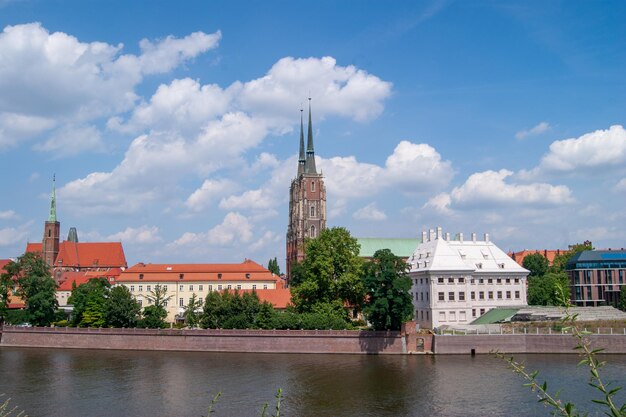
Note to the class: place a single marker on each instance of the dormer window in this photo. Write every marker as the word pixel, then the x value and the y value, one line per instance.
pixel 181 276
pixel 140 276
pixel 248 276
pixel 479 265
pixel 501 266
pixel 219 276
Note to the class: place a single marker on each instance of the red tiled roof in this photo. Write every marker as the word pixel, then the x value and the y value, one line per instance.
pixel 549 254
pixel 247 270
pixel 16 305
pixel 279 298
pixel 67 278
pixel 3 263
pixel 87 254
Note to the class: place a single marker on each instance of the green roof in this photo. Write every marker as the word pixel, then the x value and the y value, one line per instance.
pixel 400 247
pixel 496 315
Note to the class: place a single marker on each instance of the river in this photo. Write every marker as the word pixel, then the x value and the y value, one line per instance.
pixel 81 383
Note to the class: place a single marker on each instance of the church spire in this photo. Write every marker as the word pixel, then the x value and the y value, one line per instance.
pixel 301 158
pixel 309 167
pixel 53 202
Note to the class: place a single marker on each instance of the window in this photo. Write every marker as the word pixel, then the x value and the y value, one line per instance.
pixel 442 316
pixel 219 276
pixel 462 316
pixel 479 265
pixel 473 295
pixel 420 281
pixel 426 314
pixel 229 287
pixel 508 295
pixel 442 296
pixel 181 302
pixel 481 295
pixel 148 288
pixel 490 281
pixel 219 287
pixel 472 281
pixel 140 276
pixel 508 280
pixel 254 286
pixel 440 280
pixel 452 316
pixel 501 266
pixel 450 280
pixel 421 296
pixel 264 286
pixel 461 280
pixel 517 280
pixel 191 288
pixel 473 312
pixel 482 311
pixel 210 287
pixel 164 302
pixel 481 281
pixel 181 276
pixel 200 287
pixel 499 295
pixel 191 299
pixel 141 288
pixel 461 296
pixel 451 296
pixel 517 295
pixel 312 185
pixel 312 211
pixel 140 302
pixel 499 281
pixel 426 295
pixel 422 314
pixel 312 234
pixel 181 288
pixel 238 286
pixel 132 288
pixel 426 284
pixel 491 295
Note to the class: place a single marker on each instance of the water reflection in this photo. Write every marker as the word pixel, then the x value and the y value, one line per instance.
pixel 117 383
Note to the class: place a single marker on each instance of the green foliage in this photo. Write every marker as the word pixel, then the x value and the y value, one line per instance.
pixel 6 282
pixel 235 310
pixel 17 316
pixel 544 290
pixel 273 267
pixel 537 264
pixel 387 286
pixel 622 298
pixel 560 261
pixel 122 310
pixel 153 317
pixel 36 287
pixel 89 301
pixel 192 316
pixel 330 272
pixel 324 316
pixel 6 410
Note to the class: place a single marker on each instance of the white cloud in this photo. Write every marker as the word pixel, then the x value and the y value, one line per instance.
pixel 370 212
pixel 602 148
pixel 8 215
pixel 73 140
pixel 488 189
pixel 16 128
pixel 12 236
pixel 534 131
pixel 268 238
pixel 209 193
pixel 235 228
pixel 139 235
pixel 620 186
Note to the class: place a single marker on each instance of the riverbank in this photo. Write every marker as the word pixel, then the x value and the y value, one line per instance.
pixel 299 341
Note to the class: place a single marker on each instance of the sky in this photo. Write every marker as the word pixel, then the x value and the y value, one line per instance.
pixel 173 126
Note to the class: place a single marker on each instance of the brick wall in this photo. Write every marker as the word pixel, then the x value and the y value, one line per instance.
pixel 265 341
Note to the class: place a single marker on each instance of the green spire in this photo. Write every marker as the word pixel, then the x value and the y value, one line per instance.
pixel 301 158
pixel 53 202
pixel 310 153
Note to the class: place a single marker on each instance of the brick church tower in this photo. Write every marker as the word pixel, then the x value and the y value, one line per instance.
pixel 307 200
pixel 51 231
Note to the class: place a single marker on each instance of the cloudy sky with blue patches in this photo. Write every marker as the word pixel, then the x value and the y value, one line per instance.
pixel 173 126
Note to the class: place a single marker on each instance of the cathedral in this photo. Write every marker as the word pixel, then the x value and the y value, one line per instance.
pixel 307 200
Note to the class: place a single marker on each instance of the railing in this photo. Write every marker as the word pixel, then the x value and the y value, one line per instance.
pixel 530 331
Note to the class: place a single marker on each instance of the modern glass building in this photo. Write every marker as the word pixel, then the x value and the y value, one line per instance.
pixel 596 277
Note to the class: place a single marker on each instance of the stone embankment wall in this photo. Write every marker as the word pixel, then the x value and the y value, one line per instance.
pixel 523 343
pixel 262 341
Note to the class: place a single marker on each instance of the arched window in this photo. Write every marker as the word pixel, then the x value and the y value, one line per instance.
pixel 312 231
pixel 312 211
pixel 312 185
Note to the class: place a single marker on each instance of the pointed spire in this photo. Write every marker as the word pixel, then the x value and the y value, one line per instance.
pixel 53 201
pixel 309 167
pixel 301 158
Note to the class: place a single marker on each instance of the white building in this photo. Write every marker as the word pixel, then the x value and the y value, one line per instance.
pixel 457 281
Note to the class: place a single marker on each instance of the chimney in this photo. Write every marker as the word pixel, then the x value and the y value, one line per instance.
pixel 431 234
pixel 486 237
pixel 439 233
pixel 448 236
pixel 423 237
pixel 473 237
pixel 460 237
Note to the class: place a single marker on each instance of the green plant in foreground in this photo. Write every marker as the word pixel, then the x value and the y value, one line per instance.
pixel 589 359
pixel 7 411
pixel 279 397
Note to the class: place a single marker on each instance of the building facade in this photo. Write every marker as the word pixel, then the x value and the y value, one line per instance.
pixel 307 200
pixel 183 281
pixel 596 277
pixel 455 281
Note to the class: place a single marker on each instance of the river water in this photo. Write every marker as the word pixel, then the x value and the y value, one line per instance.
pixel 81 383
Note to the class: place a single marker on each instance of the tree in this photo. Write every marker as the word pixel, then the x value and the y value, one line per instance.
pixel 544 290
pixel 89 302
pixel 622 298
pixel 122 310
pixel 560 261
pixel 387 286
pixel 6 281
pixel 154 315
pixel 192 318
pixel 273 267
pixel 331 272
pixel 36 287
pixel 536 263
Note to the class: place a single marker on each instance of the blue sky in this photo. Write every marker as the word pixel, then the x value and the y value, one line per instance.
pixel 173 126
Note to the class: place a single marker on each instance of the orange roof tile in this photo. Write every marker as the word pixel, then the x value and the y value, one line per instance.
pixel 86 254
pixel 3 263
pixel 34 247
pixel 67 278
pixel 279 298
